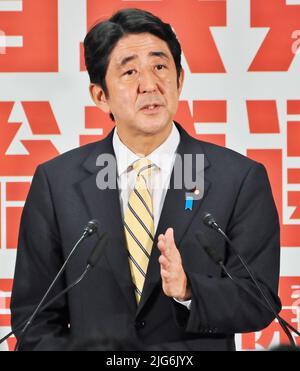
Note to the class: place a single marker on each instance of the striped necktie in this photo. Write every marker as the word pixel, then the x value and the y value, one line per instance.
pixel 139 226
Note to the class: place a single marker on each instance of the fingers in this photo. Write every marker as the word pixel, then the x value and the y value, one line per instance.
pixel 171 269
pixel 163 246
pixel 165 275
pixel 164 262
pixel 170 236
pixel 167 247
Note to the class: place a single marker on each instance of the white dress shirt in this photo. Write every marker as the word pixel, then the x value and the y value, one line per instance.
pixel 163 158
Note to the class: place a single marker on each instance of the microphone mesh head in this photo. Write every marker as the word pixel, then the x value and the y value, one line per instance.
pixel 208 219
pixel 92 226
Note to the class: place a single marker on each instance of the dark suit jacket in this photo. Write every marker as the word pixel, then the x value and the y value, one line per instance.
pixel 101 312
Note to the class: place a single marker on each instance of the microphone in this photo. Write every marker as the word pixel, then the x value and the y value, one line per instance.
pixel 91 263
pixel 210 222
pixel 97 251
pixel 91 228
pixel 88 231
pixel 214 255
pixel 211 252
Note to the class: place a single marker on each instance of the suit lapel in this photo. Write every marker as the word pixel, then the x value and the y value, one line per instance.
pixel 174 213
pixel 104 205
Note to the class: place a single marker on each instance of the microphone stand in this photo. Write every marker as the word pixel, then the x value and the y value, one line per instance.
pixel 209 221
pixel 88 231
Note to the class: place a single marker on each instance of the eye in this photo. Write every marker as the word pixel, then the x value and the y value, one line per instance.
pixel 130 72
pixel 160 67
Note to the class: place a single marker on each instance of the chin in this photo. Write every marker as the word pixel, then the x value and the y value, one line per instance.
pixel 154 127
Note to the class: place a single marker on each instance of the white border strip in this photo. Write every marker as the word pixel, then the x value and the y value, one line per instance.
pixel 289 262
pixel 11 6
pixel 3 215
pixel 11 41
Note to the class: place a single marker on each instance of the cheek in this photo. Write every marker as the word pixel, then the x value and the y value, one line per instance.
pixel 127 96
pixel 172 92
pixel 125 100
pixel 171 86
pixel 126 111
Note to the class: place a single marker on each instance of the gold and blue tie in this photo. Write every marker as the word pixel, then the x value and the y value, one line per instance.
pixel 139 226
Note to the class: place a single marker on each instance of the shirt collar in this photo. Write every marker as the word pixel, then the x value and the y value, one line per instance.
pixel 162 156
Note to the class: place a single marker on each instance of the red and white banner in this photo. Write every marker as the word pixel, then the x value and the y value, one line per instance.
pixel 241 61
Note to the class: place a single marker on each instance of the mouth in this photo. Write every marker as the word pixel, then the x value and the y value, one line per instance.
pixel 151 108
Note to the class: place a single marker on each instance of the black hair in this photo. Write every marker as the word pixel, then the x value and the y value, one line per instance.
pixel 103 37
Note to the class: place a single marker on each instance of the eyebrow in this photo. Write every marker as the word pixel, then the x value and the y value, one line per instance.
pixel 125 60
pixel 159 54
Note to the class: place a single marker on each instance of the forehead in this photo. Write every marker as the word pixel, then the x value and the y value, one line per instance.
pixel 138 44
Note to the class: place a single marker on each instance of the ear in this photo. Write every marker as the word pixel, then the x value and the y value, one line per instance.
pixel 180 81
pixel 99 98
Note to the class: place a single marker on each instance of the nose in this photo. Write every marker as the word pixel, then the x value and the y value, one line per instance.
pixel 147 82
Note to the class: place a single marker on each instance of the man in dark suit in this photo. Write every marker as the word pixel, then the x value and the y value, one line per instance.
pixel 154 284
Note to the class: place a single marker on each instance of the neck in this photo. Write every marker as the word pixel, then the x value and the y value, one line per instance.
pixel 143 144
